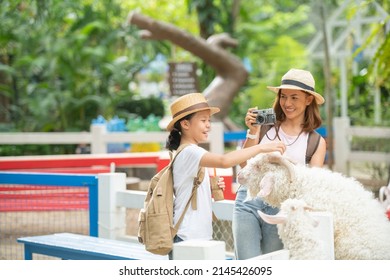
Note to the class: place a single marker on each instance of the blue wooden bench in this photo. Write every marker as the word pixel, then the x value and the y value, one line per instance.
pixel 71 246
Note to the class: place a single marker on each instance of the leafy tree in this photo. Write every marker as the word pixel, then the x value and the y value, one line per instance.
pixel 62 62
pixel 142 107
pixel 272 36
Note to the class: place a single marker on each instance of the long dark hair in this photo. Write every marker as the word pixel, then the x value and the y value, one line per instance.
pixel 174 137
pixel 312 118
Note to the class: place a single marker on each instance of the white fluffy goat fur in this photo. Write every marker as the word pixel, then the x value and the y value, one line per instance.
pixel 361 229
pixel 297 229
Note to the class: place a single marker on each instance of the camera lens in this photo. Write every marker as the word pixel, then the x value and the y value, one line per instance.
pixel 260 119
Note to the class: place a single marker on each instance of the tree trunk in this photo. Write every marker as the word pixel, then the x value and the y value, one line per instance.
pixel 230 72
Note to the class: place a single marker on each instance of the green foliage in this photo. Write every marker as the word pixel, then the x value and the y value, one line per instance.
pixel 375 73
pixel 30 150
pixel 271 37
pixel 370 144
pixel 381 63
pixel 172 12
pixel 67 61
pixel 62 63
pixel 141 107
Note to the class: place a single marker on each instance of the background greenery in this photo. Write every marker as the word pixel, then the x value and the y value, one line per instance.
pixel 63 63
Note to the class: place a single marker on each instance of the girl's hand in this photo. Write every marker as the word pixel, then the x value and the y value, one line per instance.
pixel 221 183
pixel 276 146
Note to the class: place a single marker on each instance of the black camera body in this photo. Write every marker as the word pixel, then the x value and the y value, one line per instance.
pixel 265 116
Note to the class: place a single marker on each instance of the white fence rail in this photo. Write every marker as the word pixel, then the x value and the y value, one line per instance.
pixel 99 137
pixel 343 154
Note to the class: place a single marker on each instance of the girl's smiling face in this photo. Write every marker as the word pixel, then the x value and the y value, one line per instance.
pixel 198 127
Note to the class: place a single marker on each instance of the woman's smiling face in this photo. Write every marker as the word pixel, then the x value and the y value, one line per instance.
pixel 294 102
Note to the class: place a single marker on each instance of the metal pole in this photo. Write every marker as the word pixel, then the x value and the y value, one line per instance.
pixel 328 93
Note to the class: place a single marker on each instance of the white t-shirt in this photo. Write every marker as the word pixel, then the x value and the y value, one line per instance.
pixel 197 224
pixel 295 148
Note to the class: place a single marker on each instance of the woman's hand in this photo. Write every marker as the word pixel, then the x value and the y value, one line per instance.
pixel 250 119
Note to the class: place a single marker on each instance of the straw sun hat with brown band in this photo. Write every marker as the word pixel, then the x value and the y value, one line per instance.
pixel 188 104
pixel 301 80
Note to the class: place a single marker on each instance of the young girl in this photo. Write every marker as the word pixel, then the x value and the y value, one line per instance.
pixel 297 114
pixel 191 124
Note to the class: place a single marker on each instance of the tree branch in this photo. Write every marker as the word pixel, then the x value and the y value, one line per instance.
pixel 231 73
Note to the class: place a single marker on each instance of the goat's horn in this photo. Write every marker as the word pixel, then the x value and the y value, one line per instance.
pixel 282 161
pixel 272 219
pixel 308 208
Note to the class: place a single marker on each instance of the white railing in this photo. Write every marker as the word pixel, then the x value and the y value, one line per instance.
pixel 99 137
pixel 343 154
pixel 113 199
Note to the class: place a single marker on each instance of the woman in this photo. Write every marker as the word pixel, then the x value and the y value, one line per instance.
pixel 296 108
pixel 190 125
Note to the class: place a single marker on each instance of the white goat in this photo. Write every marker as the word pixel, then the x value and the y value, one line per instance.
pixel 384 198
pixel 297 229
pixel 361 229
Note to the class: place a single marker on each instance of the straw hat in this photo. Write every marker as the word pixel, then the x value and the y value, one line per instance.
pixel 301 80
pixel 188 104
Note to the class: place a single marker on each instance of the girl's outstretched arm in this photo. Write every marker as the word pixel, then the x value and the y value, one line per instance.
pixel 239 156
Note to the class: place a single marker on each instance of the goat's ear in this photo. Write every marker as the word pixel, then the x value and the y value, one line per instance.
pixel 257 165
pixel 266 184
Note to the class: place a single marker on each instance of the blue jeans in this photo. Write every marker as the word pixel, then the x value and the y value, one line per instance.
pixel 252 236
pixel 176 239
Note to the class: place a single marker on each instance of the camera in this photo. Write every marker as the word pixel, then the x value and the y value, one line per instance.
pixel 265 116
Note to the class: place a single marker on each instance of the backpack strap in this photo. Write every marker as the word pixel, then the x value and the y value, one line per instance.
pixel 197 181
pixel 181 148
pixel 192 198
pixel 312 144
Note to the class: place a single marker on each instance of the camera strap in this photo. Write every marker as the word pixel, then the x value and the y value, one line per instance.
pixel 312 141
pixel 264 129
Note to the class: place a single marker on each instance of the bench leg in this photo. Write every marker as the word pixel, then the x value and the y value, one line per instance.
pixel 27 252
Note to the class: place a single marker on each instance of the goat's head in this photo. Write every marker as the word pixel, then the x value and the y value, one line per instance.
pixel 290 209
pixel 298 230
pixel 262 171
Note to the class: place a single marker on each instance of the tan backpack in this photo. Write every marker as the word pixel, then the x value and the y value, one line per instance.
pixel 156 230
